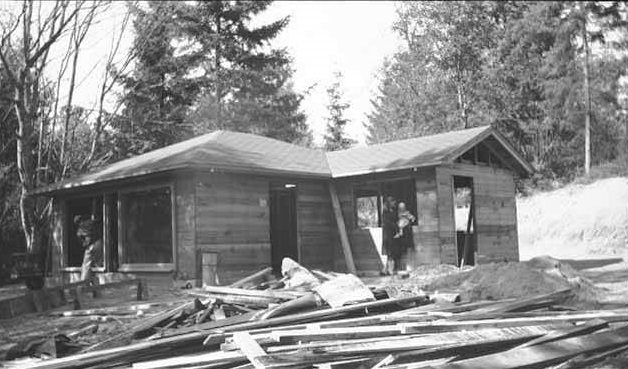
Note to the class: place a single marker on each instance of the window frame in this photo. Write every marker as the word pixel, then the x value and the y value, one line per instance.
pixel 146 267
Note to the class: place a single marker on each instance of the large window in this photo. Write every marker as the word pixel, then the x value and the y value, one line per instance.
pixel 369 200
pixel 147 226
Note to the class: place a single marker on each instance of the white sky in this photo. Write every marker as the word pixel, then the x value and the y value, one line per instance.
pixel 352 37
pixel 322 37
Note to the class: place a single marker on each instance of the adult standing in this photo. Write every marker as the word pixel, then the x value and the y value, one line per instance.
pixel 403 240
pixel 89 233
pixel 389 229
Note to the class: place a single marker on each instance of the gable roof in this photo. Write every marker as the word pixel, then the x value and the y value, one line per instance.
pixel 419 152
pixel 244 152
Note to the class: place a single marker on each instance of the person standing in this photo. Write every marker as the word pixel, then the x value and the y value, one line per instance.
pixel 90 235
pixel 403 240
pixel 389 229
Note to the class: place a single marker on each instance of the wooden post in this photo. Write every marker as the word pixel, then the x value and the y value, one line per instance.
pixel 342 229
pixel 467 235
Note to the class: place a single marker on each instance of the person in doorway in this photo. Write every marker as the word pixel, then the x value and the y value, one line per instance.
pixel 389 226
pixel 403 240
pixel 89 233
pixel 404 219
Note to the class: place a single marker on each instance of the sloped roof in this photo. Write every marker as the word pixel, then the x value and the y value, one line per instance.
pixel 234 151
pixel 244 152
pixel 418 152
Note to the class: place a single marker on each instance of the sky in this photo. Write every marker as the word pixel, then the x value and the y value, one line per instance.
pixel 352 37
pixel 323 37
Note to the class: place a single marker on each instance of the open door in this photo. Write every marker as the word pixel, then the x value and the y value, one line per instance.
pixel 464 210
pixel 283 225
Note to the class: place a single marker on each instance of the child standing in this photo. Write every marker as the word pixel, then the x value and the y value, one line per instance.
pixel 404 219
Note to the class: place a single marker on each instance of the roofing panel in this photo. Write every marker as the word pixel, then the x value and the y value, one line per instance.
pixel 219 149
pixel 244 152
pixel 410 153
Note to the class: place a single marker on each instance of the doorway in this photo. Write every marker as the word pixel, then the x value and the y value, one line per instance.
pixel 464 220
pixel 283 225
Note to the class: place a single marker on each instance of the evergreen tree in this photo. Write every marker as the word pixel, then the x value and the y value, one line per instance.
pixel 519 66
pixel 159 91
pixel 335 138
pixel 244 83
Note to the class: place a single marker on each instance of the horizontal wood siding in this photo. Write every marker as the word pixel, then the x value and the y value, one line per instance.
pixel 446 229
pixel 185 224
pixel 318 236
pixel 232 219
pixel 427 236
pixel 496 212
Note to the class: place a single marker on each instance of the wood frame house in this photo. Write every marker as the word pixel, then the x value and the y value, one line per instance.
pixel 222 205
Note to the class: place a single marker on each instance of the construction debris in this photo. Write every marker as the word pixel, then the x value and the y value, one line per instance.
pixel 331 320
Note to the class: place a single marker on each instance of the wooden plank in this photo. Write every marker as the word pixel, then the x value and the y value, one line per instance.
pixel 546 354
pixel 250 348
pixel 446 326
pixel 342 229
pixel 580 330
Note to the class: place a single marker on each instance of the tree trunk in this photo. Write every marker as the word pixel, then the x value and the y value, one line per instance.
pixel 587 99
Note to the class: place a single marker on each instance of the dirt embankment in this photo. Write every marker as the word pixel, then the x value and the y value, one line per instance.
pixel 575 222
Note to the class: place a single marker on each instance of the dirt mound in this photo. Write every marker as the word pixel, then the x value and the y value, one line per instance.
pixel 517 280
pixel 577 221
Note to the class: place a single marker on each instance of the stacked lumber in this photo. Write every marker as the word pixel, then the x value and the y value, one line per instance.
pixel 276 327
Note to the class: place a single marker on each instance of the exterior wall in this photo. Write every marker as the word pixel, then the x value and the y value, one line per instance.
pixel 233 220
pixel 318 236
pixel 185 225
pixel 427 235
pixel 495 211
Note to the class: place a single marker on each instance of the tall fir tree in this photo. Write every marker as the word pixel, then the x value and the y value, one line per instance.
pixel 245 83
pixel 158 92
pixel 519 66
pixel 335 138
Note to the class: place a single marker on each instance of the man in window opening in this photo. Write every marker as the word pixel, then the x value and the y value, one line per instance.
pixel 389 229
pixel 90 235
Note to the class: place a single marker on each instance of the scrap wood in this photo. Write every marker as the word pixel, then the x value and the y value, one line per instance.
pixel 617 315
pixel 409 343
pixel 449 325
pixel 113 310
pixel 270 294
pixel 545 354
pixel 250 348
pixel 336 333
pixel 253 278
pixel 205 358
pixel 583 361
pixel 252 301
pixel 579 330
pixel 322 314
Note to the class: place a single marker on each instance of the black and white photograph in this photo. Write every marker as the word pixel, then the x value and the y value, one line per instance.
pixel 309 184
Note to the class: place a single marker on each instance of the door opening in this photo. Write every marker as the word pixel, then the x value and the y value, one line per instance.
pixel 283 225
pixel 464 216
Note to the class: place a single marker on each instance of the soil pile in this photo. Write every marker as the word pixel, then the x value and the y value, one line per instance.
pixel 517 280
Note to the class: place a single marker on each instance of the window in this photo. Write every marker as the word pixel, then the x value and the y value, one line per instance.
pixel 81 208
pixel 147 227
pixel 369 200
pixel 367 204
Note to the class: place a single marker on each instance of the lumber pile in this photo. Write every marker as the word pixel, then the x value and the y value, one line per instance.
pixel 309 322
